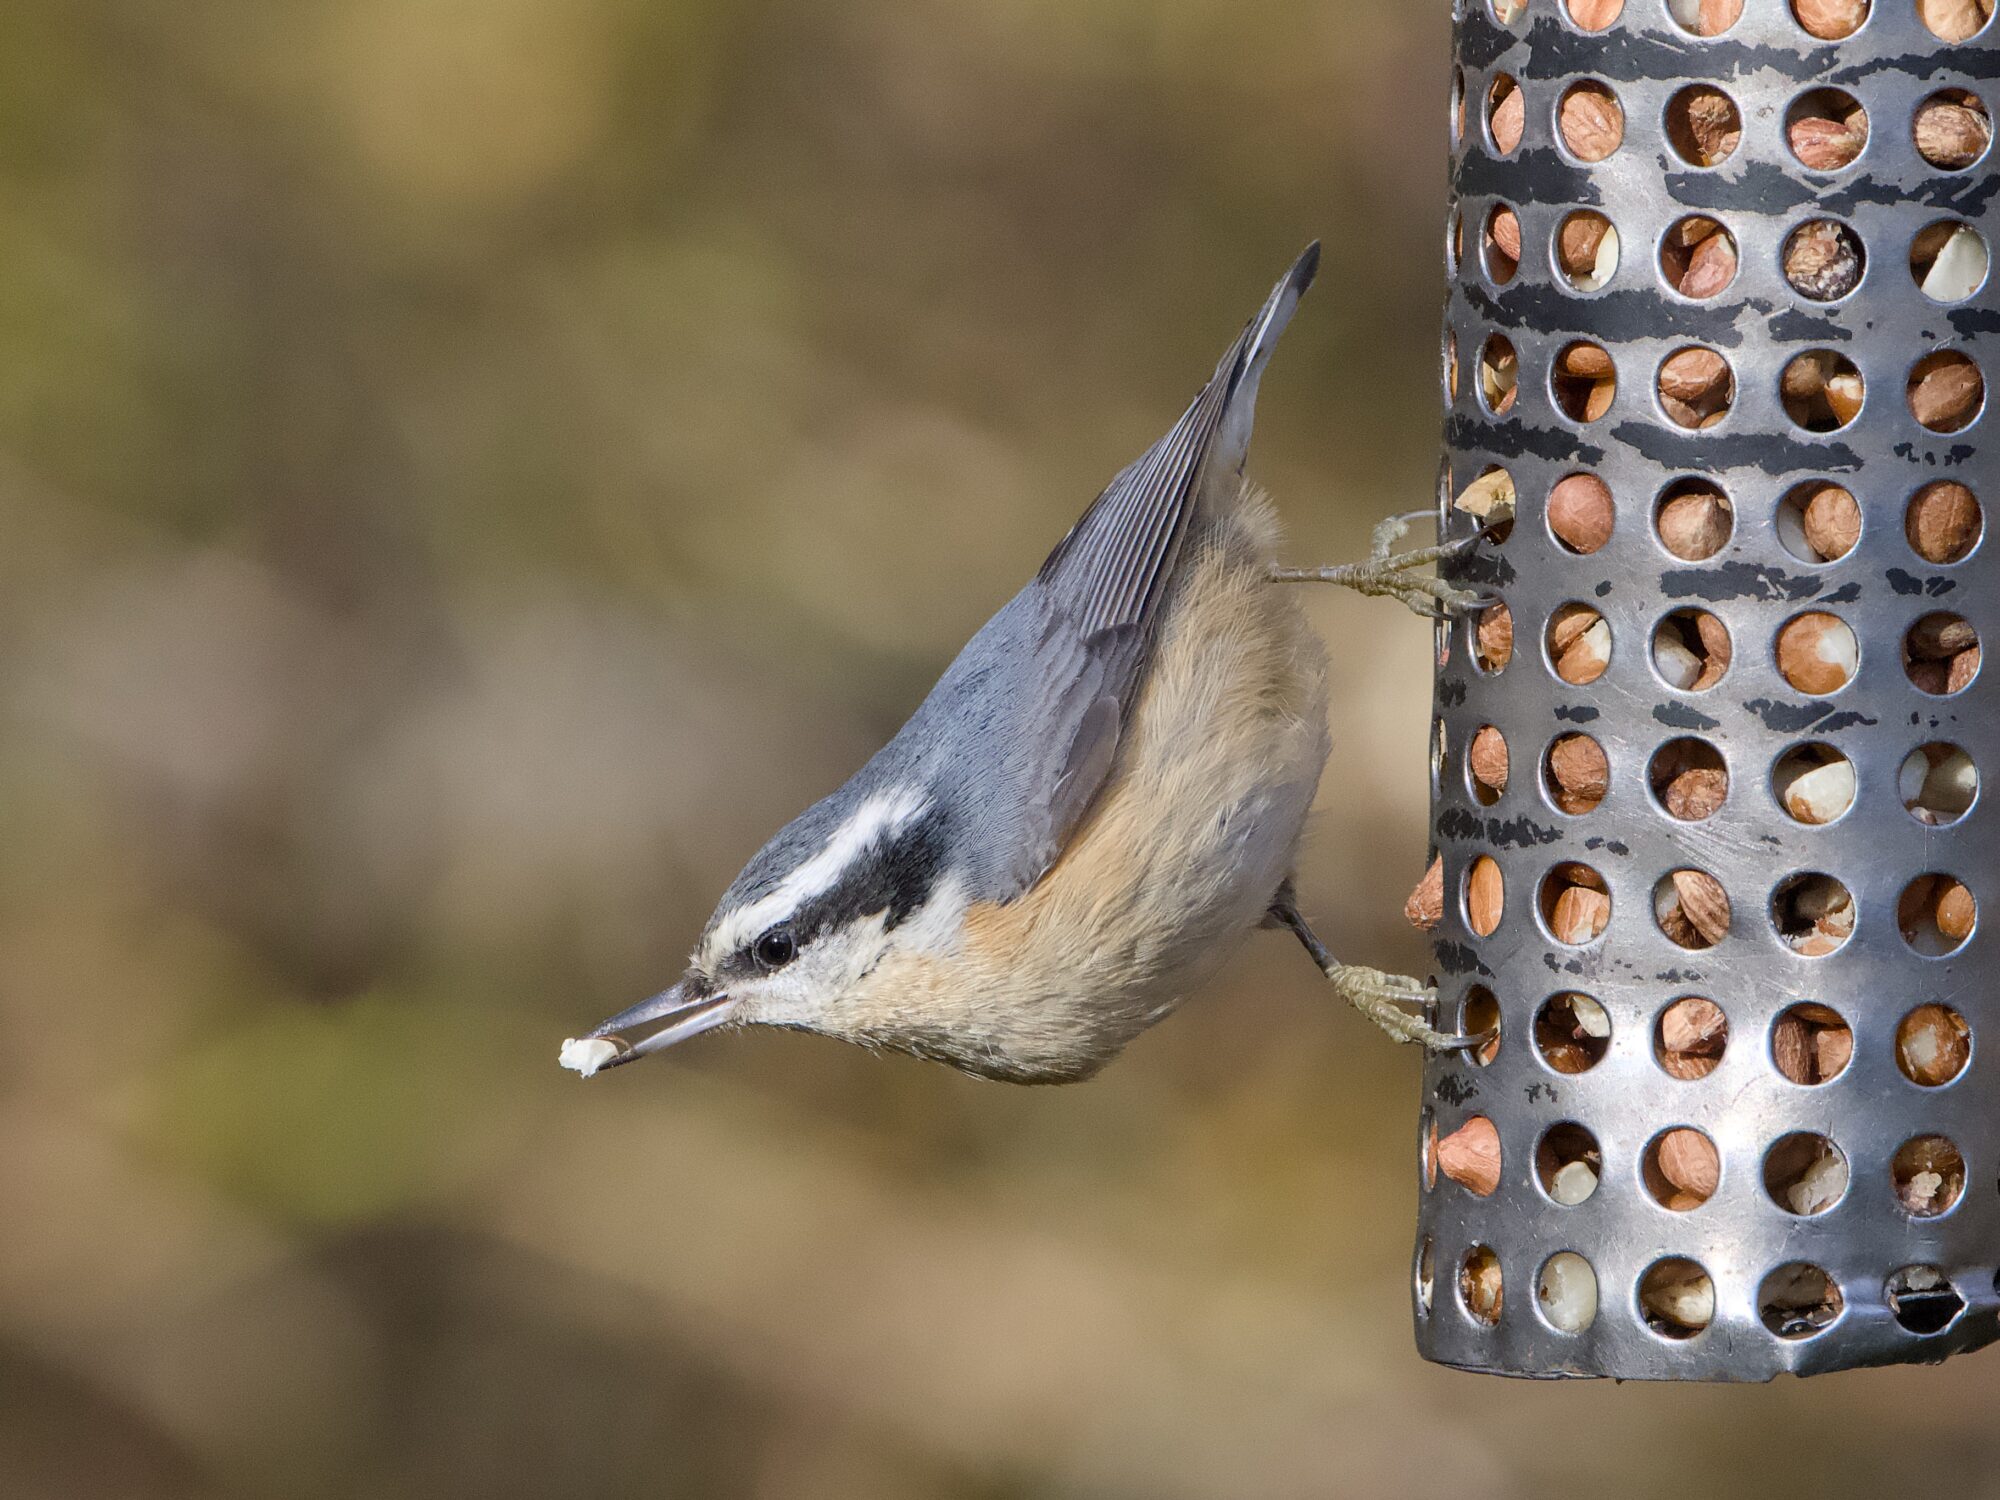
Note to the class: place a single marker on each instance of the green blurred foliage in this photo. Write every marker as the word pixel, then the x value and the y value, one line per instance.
pixel 469 469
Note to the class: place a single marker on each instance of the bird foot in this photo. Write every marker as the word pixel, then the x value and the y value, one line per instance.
pixel 1397 575
pixel 1382 998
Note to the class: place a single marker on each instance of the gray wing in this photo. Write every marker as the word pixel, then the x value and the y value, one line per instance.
pixel 1047 685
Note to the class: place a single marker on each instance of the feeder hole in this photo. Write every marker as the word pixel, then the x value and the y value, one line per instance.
pixel 1694 519
pixel 1681 1169
pixel 1933 1045
pixel 1576 773
pixel 1572 1032
pixel 1817 653
pixel 1943 522
pixel 1814 783
pixel 1566 1292
pixel 1805 1173
pixel 1575 904
pixel 1586 250
pixel 1676 1298
pixel 1579 644
pixel 1923 1300
pixel 1941 653
pixel 1704 127
pixel 1826 129
pixel 1949 260
pixel 1479 1284
pixel 1929 1173
pixel 1696 387
pixel 1568 1164
pixel 1690 1037
pixel 1698 257
pixel 1479 1015
pixel 1590 121
pixel 1936 915
pixel 1689 778
pixel 1811 1043
pixel 1486 766
pixel 1798 1300
pixel 1692 909
pixel 1819 521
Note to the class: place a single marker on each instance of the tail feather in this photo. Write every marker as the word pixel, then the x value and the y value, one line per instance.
pixel 1244 365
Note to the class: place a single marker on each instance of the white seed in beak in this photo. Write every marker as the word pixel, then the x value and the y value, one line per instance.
pixel 587 1054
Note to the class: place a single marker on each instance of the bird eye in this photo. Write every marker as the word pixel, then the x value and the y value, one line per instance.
pixel 775 948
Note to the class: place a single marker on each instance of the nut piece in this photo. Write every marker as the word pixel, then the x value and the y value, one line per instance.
pixel 1587 248
pixel 1509 114
pixel 1580 915
pixel 1487 760
pixel 1696 523
pixel 1587 651
pixel 1425 908
pixel 1827 129
pixel 1696 386
pixel 1591 121
pixel 1580 512
pixel 1698 256
pixel 1470 1156
pixel 1594 15
pixel 1823 260
pixel 1703 902
pixel 1953 129
pixel 1697 794
pixel 1689 1161
pixel 1495 637
pixel 1704 125
pixel 1821 794
pixel 1933 1045
pixel 1485 895
pixel 1832 522
pixel 1579 773
pixel 1946 390
pixel 1942 522
pixel 1955 20
pixel 1693 1035
pixel 1811 1044
pixel 1490 497
pixel 1831 20
pixel 1817 653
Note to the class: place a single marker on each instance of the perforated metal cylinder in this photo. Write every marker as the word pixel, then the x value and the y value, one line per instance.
pixel 1817 1188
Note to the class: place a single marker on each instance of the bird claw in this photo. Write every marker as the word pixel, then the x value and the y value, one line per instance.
pixel 1395 575
pixel 1381 998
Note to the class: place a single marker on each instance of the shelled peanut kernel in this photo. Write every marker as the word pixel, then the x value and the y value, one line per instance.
pixel 1578 773
pixel 1691 1037
pixel 1470 1156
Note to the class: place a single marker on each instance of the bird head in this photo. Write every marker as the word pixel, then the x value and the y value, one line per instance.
pixel 810 918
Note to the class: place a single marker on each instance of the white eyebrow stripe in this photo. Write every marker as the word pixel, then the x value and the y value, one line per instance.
pixel 874 820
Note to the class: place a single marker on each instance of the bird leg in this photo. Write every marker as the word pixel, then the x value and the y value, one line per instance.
pixel 1396 575
pixel 1378 996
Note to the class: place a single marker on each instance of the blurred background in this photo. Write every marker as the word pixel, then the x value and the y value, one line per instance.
pixel 469 469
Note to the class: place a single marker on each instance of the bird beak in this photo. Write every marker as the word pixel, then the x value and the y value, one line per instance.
pixel 683 1015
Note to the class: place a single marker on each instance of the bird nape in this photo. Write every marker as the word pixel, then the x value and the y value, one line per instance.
pixel 1097 803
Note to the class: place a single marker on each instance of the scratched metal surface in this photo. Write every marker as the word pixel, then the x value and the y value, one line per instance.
pixel 1754 585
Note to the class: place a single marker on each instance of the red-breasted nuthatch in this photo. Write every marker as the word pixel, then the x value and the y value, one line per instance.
pixel 1099 800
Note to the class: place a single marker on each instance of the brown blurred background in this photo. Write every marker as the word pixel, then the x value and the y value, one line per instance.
pixel 468 470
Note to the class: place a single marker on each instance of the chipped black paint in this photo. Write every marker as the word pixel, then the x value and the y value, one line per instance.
pixel 1795 718
pixel 1716 582
pixel 1520 833
pixel 1577 713
pixel 1682 716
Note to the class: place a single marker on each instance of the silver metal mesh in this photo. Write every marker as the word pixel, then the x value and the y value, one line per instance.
pixel 1907 1285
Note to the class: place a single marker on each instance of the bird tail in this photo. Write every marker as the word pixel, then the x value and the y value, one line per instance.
pixel 1243 366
